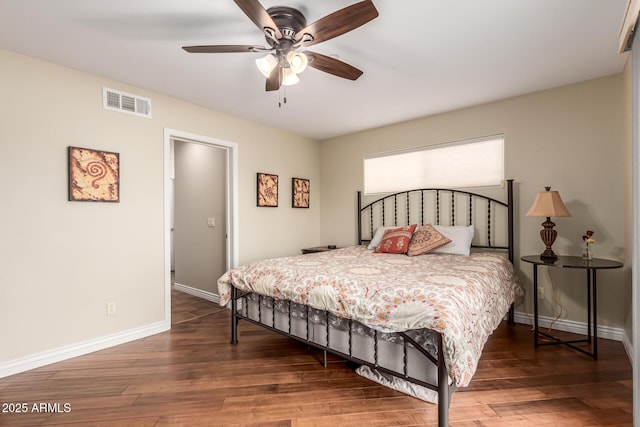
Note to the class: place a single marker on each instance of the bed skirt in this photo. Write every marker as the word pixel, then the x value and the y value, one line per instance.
pixel 408 361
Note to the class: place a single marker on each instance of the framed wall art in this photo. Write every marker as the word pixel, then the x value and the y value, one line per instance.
pixel 267 190
pixel 300 192
pixel 94 175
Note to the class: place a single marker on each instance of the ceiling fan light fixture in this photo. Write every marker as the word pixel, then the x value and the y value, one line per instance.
pixel 267 64
pixel 297 61
pixel 285 30
pixel 289 78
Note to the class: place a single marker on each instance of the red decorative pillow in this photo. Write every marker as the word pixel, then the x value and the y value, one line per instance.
pixel 396 240
pixel 425 240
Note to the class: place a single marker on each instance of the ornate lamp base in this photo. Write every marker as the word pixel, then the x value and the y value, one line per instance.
pixel 548 255
pixel 548 236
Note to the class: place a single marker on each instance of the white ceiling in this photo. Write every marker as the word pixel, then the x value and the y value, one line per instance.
pixel 419 57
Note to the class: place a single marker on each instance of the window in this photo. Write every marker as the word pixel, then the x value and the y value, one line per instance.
pixel 471 163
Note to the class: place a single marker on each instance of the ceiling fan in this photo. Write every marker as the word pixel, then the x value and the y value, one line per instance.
pixel 286 31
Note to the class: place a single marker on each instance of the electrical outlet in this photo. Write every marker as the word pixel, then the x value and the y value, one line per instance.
pixel 111 308
pixel 540 292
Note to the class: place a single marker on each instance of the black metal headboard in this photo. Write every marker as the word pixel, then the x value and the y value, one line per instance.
pixel 492 219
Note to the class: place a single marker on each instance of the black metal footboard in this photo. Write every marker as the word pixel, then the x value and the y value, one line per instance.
pixel 240 311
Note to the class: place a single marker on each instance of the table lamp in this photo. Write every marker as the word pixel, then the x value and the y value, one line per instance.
pixel 548 204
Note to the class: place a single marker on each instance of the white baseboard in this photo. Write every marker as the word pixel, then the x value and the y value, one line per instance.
pixel 23 364
pixel 209 296
pixel 608 332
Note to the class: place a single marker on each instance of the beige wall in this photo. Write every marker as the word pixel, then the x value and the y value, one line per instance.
pixel 63 261
pixel 571 138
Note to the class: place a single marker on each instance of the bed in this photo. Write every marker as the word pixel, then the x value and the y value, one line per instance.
pixel 413 323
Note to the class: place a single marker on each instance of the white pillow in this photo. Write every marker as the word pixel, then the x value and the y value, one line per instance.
pixel 460 237
pixel 377 237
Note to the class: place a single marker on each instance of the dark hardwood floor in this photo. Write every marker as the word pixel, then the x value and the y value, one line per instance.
pixel 192 376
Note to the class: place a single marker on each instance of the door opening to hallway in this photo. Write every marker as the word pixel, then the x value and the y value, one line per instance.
pixel 200 213
pixel 199 223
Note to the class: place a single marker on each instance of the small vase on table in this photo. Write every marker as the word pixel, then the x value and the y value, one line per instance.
pixel 587 252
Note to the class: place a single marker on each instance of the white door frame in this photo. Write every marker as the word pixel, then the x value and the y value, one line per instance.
pixel 635 203
pixel 231 199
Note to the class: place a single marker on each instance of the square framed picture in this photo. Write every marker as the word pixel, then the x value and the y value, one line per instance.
pixel 94 175
pixel 300 192
pixel 267 190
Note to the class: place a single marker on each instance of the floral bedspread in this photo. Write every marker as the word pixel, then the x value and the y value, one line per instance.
pixel 463 298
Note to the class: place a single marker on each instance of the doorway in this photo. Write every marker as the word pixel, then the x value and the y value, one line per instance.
pixel 222 223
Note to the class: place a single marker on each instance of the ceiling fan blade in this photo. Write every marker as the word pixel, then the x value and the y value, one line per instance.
pixel 258 14
pixel 332 66
pixel 225 48
pixel 275 79
pixel 337 23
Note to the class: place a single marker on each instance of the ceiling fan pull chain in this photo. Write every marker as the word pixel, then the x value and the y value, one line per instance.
pixel 282 99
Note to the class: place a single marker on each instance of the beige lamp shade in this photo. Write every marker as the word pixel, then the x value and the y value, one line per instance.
pixel 548 203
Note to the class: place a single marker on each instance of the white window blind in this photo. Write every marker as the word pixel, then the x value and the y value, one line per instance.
pixel 477 162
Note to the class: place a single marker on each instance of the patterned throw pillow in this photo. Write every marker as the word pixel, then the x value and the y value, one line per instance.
pixel 425 240
pixel 396 240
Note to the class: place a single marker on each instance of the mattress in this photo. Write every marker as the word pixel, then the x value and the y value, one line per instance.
pixel 463 298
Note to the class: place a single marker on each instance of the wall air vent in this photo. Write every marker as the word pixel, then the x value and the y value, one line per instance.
pixel 125 102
